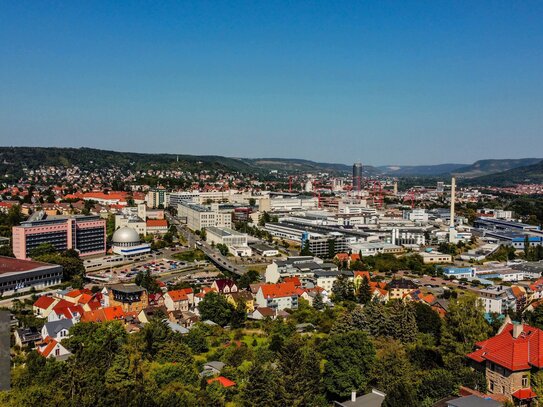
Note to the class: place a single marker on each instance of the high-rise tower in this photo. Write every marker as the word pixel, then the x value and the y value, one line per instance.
pixel 357 177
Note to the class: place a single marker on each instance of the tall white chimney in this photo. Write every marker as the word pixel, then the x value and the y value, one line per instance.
pixel 452 230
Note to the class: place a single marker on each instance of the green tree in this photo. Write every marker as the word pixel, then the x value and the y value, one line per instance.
pixel 300 373
pixel 343 289
pixel 349 361
pixel 261 387
pixel 318 303
pixel 214 307
pixel 364 292
pixel 464 326
pixel 428 321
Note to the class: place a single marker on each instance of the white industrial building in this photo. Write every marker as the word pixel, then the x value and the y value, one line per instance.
pixel 234 240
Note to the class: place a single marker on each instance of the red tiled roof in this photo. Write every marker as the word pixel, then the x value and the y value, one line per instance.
pixel 103 314
pixel 514 354
pixel 279 290
pixel 524 394
pixel 44 302
pixel 223 381
pixel 77 293
pixel 157 223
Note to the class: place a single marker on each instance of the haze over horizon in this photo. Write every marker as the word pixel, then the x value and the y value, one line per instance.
pixel 400 83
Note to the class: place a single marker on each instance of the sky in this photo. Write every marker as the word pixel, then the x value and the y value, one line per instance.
pixel 380 82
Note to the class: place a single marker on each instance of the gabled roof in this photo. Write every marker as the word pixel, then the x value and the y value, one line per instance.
pixel 515 354
pixel 44 302
pixel 362 274
pixel 178 295
pixel 279 290
pixel 50 344
pixel 54 327
pixel 103 314
pixel 224 282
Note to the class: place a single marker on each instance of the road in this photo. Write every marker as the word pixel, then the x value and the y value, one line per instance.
pixel 193 241
pixel 9 301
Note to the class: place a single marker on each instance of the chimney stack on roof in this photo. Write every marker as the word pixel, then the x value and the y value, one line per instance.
pixel 517 329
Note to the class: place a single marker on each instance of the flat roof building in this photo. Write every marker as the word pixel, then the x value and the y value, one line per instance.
pixel 21 275
pixel 86 234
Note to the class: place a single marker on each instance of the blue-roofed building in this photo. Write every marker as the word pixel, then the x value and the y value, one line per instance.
pixel 459 272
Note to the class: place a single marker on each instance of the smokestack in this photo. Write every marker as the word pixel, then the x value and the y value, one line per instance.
pixel 452 230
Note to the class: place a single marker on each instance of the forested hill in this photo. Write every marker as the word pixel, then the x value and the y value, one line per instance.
pixel 14 159
pixel 531 174
pixel 89 158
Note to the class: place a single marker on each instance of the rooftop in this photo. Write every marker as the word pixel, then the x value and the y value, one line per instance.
pixel 11 265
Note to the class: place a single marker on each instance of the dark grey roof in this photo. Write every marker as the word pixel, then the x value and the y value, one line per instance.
pixel 373 399
pixel 327 273
pixel 128 288
pixel 53 328
pixel 472 401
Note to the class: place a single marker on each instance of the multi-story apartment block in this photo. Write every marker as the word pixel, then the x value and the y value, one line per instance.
pixel 497 299
pixel 86 234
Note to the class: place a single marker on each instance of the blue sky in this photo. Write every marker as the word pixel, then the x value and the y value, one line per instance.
pixel 380 82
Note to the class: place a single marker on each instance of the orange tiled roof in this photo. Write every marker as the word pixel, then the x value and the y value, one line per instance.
pixel 178 295
pixel 223 381
pixel 279 290
pixel 51 343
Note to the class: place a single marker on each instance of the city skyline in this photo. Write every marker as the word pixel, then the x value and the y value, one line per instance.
pixel 387 83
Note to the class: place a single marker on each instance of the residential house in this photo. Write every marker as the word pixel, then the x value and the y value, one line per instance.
pixel 27 337
pixel 509 359
pixel 224 286
pixel 244 297
pixel 43 306
pixel 130 297
pixel 104 314
pixel 278 296
pixel 146 314
pixel 212 368
pixel 326 278
pixel 51 348
pixel 57 329
pixel 223 381
pixel 179 300
pixel 398 288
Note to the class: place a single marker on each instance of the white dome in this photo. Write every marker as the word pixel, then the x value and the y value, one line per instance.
pixel 125 235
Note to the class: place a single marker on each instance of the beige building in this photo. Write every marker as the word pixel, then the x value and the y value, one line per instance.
pixel 200 217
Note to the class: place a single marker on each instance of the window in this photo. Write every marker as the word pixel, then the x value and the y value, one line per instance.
pixel 525 381
pixel 57 352
pixel 491 386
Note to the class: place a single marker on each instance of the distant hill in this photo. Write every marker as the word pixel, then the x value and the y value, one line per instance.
pixel 14 159
pixel 299 165
pixel 487 167
pixel 530 174
pixel 419 170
